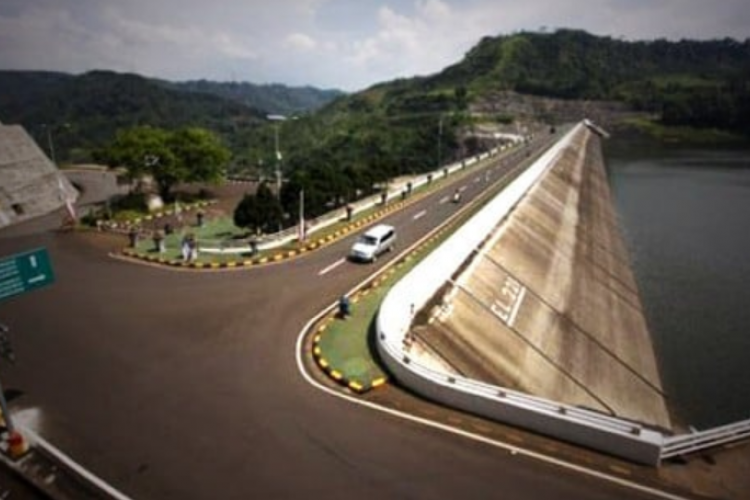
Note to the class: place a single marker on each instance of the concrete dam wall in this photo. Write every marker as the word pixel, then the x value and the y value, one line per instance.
pixel 550 307
pixel 529 313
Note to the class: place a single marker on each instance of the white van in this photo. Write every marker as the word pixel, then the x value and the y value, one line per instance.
pixel 375 241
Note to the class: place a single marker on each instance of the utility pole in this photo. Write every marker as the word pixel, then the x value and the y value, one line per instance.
pixel 50 145
pixel 302 228
pixel 440 142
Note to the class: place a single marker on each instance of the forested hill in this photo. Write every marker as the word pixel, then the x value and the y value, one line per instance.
pixel 699 83
pixel 273 98
pixel 85 111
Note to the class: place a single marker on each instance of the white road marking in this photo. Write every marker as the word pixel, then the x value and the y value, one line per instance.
pixel 444 200
pixel 420 215
pixel 331 267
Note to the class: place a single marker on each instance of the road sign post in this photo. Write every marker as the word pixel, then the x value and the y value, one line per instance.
pixel 24 272
pixel 19 274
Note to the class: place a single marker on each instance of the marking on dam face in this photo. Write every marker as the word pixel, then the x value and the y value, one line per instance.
pixel 507 305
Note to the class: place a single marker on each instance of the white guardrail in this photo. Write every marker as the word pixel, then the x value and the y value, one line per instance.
pixel 588 428
pixel 291 234
pixel 700 440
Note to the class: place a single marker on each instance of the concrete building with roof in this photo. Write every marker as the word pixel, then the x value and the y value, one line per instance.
pixel 30 184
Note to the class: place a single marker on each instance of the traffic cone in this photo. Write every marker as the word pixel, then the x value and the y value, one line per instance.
pixel 17 445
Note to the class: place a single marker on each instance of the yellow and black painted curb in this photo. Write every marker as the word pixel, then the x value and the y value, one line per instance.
pixel 272 258
pixel 355 385
pixel 321 326
pixel 266 259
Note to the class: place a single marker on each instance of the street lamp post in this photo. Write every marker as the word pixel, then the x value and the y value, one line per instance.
pixel 276 119
pixel 50 143
pixel 440 142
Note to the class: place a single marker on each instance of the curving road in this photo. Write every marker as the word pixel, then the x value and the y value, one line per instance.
pixel 185 385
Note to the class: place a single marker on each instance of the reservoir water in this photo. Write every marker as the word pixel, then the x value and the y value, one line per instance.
pixel 685 215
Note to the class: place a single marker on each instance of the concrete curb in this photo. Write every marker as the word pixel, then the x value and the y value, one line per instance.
pixel 353 384
pixel 359 293
pixel 363 289
pixel 130 254
pixel 135 256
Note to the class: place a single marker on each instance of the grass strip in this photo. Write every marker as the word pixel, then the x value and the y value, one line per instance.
pixel 344 348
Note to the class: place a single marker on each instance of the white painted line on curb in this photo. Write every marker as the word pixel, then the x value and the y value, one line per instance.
pixel 512 449
pixel 420 215
pixel 331 267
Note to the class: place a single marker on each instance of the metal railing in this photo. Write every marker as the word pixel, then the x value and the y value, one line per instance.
pixel 690 443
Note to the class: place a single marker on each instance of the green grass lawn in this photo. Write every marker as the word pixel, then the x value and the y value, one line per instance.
pixel 212 233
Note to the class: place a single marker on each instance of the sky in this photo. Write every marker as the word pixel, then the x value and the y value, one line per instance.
pixel 343 44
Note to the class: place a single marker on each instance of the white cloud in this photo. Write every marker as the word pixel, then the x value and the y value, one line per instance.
pixel 433 37
pixel 329 43
pixel 301 42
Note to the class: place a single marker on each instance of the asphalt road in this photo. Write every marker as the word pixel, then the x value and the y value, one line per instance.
pixel 185 385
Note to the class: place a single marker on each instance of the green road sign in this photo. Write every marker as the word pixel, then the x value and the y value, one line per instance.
pixel 24 272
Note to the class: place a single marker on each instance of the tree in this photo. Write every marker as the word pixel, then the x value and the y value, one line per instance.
pixel 199 154
pixel 259 212
pixel 140 150
pixel 187 155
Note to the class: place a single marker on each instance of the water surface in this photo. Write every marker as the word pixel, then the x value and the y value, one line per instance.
pixel 685 215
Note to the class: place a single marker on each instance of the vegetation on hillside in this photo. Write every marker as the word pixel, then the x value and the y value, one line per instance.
pixel 83 113
pixel 273 98
pixel 704 84
pixel 356 143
